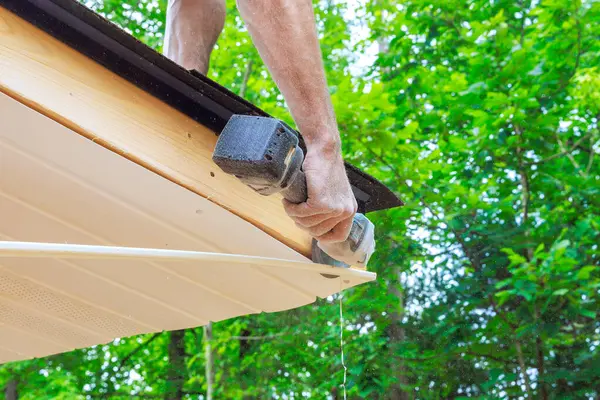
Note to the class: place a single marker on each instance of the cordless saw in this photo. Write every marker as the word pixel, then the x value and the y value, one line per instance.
pixel 264 153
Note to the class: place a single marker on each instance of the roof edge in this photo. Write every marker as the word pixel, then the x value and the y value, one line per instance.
pixel 191 93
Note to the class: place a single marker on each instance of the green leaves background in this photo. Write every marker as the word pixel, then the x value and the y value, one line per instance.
pixel 484 117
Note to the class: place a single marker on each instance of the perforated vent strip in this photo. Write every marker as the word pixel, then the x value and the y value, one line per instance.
pixel 42 298
pixel 43 326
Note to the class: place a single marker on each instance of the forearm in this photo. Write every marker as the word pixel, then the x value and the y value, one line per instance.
pixel 193 27
pixel 284 32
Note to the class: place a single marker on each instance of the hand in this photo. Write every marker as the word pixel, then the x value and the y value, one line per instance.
pixel 328 213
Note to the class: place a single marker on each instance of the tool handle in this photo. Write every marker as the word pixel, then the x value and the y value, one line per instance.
pixel 296 192
pixel 295 181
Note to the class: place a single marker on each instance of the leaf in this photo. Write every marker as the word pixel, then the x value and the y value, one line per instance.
pixel 539 249
pixel 497 18
pixel 587 313
pixel 408 130
pixel 516 259
pixel 503 296
pixel 524 330
pixel 457 100
pixel 477 87
pixel 385 140
pixel 585 272
pixel 503 283
pixel 496 99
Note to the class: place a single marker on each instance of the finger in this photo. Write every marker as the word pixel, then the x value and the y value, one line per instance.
pixel 339 233
pixel 300 210
pixel 314 220
pixel 324 227
pixel 296 210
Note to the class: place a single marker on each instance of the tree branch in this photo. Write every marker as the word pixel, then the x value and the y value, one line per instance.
pixel 133 396
pixel 578 56
pixel 540 366
pixel 517 346
pixel 562 153
pixel 247 74
pixel 123 395
pixel 137 350
pixel 491 357
pixel 501 314
pixel 469 352
pixel 523 368
pixel 444 252
pixel 452 24
pixel 539 350
pixel 433 357
pixel 588 169
pixel 129 19
pixel 570 156
pixel 265 337
pixel 475 263
pixel 526 190
pixel 526 195
pixel 522 33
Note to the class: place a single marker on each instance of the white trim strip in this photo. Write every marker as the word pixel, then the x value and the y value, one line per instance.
pixel 60 250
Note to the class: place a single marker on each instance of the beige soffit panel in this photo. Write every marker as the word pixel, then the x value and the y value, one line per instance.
pixel 63 84
pixel 62 190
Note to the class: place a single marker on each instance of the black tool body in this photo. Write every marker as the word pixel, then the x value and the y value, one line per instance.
pixel 264 153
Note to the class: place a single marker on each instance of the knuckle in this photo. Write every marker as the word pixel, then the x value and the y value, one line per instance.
pixel 317 203
pixel 340 209
pixel 348 211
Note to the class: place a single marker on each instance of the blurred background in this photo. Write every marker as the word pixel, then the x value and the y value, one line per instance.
pixel 484 117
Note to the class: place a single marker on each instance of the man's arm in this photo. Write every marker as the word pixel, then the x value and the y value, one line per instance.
pixel 284 32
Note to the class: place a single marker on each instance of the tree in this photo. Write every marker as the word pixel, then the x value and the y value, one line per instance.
pixel 484 117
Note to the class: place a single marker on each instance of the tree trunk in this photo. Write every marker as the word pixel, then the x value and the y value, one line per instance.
pixel 397 334
pixel 243 351
pixel 177 370
pixel 334 393
pixel 10 391
pixel 540 367
pixel 208 362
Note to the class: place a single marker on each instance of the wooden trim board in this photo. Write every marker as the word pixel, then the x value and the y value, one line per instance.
pixel 114 250
pixel 57 81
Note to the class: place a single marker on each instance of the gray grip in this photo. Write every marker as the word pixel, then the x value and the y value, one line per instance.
pixel 296 192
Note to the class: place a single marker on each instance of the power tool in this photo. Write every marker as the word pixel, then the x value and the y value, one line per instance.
pixel 265 154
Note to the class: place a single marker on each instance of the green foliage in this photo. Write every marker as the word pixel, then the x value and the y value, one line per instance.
pixel 484 117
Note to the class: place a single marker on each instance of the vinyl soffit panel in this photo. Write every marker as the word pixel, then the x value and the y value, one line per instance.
pixel 59 191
